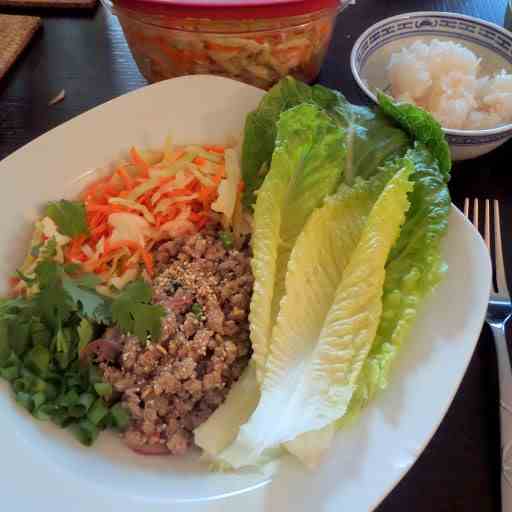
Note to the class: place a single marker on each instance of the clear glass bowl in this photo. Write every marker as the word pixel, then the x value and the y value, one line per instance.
pixel 259 52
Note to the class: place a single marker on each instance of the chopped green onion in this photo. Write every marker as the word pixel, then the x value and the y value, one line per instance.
pixel 40 415
pixel 10 373
pixel 24 400
pixel 197 309
pixel 120 416
pixel 87 399
pixel 39 399
pixel 77 411
pixel 227 239
pixel 19 337
pixel 20 385
pixel 40 334
pixel 13 360
pixel 86 432
pixel 50 391
pixel 97 412
pixel 85 333
pixel 70 399
pixel 62 419
pixel 103 389
pixel 49 409
pixel 95 375
pixel 38 358
pixel 5 349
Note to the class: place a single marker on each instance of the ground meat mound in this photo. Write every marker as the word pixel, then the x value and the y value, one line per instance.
pixel 173 386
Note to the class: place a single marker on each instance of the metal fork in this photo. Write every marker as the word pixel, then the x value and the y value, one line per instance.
pixel 499 312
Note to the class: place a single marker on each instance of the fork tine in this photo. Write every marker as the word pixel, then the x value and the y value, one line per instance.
pixel 487 225
pixel 466 207
pixel 475 214
pixel 501 280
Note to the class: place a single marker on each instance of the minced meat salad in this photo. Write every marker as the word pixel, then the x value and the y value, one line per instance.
pixel 172 386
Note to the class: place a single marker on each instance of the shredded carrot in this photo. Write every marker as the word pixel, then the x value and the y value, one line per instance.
pixel 193 197
pixel 99 208
pixel 221 173
pixel 139 162
pixel 146 197
pixel 215 149
pixel 100 230
pixel 200 225
pixel 196 217
pixel 148 261
pixel 199 160
pixel 222 48
pixel 193 185
pixel 176 155
pixel 111 189
pixel 207 195
pixel 127 179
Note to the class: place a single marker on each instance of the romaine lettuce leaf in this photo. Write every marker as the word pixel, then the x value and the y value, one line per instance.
pixel 328 317
pixel 307 166
pixel 261 130
pixel 422 127
pixel 371 137
pixel 413 269
pixel 222 427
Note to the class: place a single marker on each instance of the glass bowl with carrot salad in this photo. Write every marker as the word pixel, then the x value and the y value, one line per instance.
pixel 256 41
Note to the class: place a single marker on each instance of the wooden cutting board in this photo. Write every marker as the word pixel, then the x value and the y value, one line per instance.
pixel 15 34
pixel 63 4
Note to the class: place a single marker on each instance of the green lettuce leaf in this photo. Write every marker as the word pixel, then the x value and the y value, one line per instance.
pixel 422 127
pixel 371 138
pixel 328 317
pixel 414 268
pixel 261 131
pixel 306 167
pixel 222 427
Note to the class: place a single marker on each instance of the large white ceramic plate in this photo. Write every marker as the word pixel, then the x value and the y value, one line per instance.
pixel 44 469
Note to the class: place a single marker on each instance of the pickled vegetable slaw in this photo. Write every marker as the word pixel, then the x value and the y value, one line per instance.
pixel 260 58
pixel 151 197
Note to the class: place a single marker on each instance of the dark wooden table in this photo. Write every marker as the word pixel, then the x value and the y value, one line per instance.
pixel 87 56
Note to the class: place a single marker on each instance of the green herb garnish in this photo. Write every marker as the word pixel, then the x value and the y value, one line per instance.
pixel 133 312
pixel 197 309
pixel 69 216
pixel 226 237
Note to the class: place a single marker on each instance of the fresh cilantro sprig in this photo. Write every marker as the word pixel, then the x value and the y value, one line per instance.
pixel 69 216
pixel 133 312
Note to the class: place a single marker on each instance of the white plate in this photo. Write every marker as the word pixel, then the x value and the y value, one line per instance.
pixel 43 468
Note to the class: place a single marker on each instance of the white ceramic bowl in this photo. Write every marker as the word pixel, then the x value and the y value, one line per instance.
pixel 372 51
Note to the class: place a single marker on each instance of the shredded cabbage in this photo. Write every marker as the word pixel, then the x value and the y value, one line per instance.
pixel 128 226
pixel 133 205
pixel 228 188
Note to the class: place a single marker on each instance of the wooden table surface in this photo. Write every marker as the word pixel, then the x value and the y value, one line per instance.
pixel 86 55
